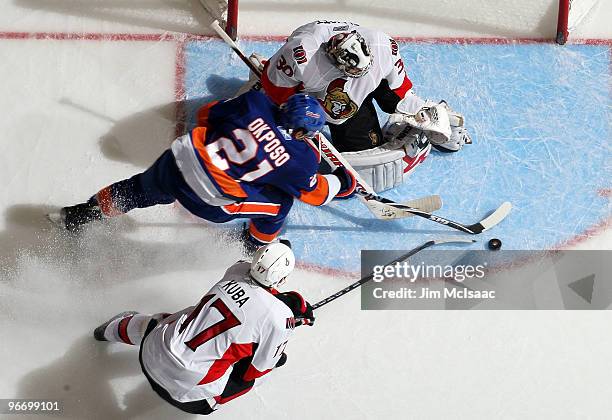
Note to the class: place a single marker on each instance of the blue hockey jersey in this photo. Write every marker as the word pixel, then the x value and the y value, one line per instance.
pixel 237 148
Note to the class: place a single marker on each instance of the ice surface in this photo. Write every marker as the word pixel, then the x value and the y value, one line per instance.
pixel 533 130
pixel 78 114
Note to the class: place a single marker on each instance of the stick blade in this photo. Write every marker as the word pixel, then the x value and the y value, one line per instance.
pixel 493 219
pixel 386 211
pixel 454 239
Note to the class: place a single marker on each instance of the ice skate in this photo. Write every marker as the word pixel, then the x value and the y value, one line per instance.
pixel 99 331
pixel 73 218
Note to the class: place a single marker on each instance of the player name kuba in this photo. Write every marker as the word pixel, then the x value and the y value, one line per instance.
pixel 235 291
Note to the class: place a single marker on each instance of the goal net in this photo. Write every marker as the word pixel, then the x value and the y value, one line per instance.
pixel 547 19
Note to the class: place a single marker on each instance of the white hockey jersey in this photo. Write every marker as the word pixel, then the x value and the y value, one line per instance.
pixel 302 65
pixel 191 353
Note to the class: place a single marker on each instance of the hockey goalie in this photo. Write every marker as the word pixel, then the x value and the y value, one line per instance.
pixel 348 68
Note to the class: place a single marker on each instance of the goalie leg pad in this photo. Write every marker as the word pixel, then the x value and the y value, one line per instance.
pixel 387 166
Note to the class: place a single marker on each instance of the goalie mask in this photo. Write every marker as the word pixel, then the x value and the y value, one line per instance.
pixel 350 53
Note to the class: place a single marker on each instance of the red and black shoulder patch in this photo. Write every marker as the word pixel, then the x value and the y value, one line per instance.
pixel 299 54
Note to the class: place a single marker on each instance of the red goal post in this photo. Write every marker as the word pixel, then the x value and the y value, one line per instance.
pixel 226 12
pixel 562 24
pixel 571 13
pixel 231 24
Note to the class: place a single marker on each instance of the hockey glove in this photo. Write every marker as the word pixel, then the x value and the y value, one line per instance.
pixel 302 310
pixel 459 135
pixel 348 184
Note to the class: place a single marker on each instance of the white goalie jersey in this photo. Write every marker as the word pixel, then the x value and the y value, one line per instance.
pixel 301 65
pixel 191 353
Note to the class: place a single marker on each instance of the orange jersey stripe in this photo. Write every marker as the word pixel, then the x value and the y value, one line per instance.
pixel 319 195
pixel 202 116
pixel 253 208
pixel 260 236
pixel 227 183
pixel 105 201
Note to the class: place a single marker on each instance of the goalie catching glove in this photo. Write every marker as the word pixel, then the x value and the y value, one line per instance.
pixel 459 135
pixel 408 141
pixel 442 126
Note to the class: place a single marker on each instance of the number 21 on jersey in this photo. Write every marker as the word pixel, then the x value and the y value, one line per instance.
pixel 243 146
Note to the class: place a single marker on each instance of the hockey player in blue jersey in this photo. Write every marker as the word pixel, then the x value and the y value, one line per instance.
pixel 245 159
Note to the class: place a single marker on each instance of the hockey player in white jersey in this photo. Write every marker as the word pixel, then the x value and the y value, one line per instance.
pixel 208 354
pixel 348 67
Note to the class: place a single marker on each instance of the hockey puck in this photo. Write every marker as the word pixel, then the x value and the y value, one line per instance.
pixel 495 244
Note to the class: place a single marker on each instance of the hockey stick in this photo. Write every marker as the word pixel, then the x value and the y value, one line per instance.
pixel 382 208
pixel 370 276
pixel 229 41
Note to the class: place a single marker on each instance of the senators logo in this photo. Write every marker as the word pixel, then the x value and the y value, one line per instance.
pixel 337 103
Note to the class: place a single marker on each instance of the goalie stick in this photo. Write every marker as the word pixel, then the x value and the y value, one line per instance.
pixel 381 207
pixel 370 276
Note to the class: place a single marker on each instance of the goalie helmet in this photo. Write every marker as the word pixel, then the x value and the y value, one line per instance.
pixel 271 264
pixel 302 113
pixel 350 53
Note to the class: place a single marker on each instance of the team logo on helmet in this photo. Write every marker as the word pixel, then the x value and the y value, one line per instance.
pixel 337 102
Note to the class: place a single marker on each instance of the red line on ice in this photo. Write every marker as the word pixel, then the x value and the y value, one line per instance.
pixel 605 192
pixel 157 37
pixel 73 36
